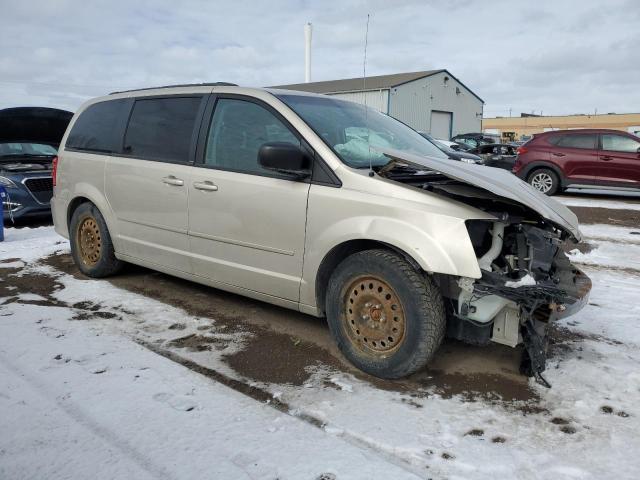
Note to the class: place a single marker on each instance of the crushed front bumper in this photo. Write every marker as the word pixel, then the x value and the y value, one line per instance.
pixel 581 289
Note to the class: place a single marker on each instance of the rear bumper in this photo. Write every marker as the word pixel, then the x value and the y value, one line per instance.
pixel 519 171
pixel 59 214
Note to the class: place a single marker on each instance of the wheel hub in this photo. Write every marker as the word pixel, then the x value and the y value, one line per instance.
pixel 542 182
pixel 89 241
pixel 374 316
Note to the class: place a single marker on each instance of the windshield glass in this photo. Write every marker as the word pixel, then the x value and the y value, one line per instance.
pixel 354 131
pixel 21 148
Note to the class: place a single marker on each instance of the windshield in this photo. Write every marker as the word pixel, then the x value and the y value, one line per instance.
pixel 26 149
pixel 354 132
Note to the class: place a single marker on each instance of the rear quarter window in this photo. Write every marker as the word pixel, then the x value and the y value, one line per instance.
pixel 99 127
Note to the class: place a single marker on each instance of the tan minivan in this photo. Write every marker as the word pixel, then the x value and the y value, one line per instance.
pixel 319 205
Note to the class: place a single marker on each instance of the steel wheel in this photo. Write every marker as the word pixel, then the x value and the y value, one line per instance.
pixel 374 316
pixel 89 241
pixel 542 181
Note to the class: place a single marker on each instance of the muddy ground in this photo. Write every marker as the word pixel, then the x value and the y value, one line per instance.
pixel 285 342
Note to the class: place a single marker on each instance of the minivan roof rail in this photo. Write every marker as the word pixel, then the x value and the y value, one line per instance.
pixel 211 84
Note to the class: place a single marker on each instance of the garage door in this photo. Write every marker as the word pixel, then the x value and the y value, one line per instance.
pixel 441 124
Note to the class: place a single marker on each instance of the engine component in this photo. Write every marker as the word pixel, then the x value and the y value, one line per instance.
pixel 497 235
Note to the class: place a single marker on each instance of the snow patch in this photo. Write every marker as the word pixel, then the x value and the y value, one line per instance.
pixel 525 281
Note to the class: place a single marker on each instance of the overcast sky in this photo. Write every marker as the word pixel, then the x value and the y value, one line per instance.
pixel 558 57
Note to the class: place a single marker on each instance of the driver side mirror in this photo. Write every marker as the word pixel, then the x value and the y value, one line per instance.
pixel 285 158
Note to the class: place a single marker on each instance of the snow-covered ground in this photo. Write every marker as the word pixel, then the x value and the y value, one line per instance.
pixel 610 247
pixel 622 203
pixel 86 398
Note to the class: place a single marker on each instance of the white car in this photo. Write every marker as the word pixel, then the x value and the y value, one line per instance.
pixel 317 205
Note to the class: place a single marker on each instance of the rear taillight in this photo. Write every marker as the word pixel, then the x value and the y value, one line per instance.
pixel 54 170
pixel 521 150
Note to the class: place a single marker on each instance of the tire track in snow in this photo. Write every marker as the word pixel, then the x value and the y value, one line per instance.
pixel 256 393
pixel 77 415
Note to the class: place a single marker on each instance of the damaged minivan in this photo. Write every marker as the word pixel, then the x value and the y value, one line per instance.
pixel 319 205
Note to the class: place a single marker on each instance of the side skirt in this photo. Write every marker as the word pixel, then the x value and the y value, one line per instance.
pixel 281 302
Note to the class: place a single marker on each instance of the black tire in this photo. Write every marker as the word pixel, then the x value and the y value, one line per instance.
pixel 420 300
pixel 544 180
pixel 95 256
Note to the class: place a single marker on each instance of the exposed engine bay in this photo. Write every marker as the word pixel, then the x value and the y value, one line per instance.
pixel 526 278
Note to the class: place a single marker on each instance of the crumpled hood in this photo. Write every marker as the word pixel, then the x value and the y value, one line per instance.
pixel 33 124
pixel 497 181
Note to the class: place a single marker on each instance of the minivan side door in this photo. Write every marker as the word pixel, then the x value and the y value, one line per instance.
pixel 619 160
pixel 246 224
pixel 147 184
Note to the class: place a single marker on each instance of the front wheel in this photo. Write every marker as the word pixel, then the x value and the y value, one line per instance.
pixel 544 180
pixel 91 246
pixel 387 318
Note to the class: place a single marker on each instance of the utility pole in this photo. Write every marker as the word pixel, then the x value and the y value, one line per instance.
pixel 307 53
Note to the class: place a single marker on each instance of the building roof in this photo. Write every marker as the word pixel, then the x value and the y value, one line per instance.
pixel 377 82
pixel 352 84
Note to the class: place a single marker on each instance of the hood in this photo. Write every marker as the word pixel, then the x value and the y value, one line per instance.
pixel 33 124
pixel 496 181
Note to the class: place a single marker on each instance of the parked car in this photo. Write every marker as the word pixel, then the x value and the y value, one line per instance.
pixel 459 155
pixel 319 205
pixel 29 138
pixel 474 140
pixel 561 159
pixel 499 155
pixel 458 147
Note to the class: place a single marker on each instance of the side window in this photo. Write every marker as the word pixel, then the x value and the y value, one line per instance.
pixel 162 128
pixel 619 143
pixel 98 129
pixel 585 141
pixel 238 129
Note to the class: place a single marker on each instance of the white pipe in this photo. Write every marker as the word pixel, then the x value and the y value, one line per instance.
pixel 497 235
pixel 307 53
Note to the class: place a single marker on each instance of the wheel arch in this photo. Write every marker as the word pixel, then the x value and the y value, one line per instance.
pixel 338 253
pixel 541 164
pixel 89 194
pixel 73 206
pixel 432 243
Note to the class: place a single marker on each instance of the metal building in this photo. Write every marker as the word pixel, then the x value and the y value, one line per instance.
pixel 432 101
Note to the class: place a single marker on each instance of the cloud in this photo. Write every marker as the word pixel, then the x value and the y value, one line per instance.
pixel 564 56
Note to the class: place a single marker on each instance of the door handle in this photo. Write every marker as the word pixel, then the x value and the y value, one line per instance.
pixel 171 180
pixel 557 154
pixel 606 158
pixel 206 186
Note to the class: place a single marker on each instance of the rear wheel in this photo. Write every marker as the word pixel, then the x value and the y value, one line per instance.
pixel 91 246
pixel 387 318
pixel 544 180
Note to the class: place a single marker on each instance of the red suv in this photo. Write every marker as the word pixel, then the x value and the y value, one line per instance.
pixel 557 160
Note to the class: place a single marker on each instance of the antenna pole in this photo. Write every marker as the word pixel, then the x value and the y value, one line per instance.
pixel 364 92
pixel 364 64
